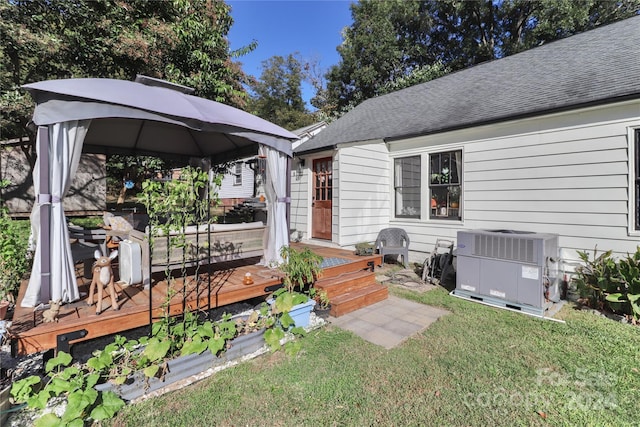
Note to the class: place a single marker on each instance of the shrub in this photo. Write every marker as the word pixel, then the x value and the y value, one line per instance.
pixel 605 282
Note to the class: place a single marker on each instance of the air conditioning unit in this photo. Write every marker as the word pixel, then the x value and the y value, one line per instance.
pixel 130 262
pixel 507 268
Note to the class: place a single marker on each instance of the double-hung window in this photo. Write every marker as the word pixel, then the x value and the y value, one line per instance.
pixel 237 178
pixel 407 187
pixel 445 185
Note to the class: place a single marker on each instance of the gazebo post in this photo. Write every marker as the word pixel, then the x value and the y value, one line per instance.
pixel 44 201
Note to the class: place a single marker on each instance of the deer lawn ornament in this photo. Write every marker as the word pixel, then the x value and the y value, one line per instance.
pixel 103 276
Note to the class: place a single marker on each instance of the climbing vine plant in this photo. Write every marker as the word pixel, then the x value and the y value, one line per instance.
pixel 172 205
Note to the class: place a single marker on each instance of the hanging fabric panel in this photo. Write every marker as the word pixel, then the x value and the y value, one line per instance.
pixel 276 194
pixel 63 156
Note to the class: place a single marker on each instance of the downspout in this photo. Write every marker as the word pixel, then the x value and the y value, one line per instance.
pixel 289 160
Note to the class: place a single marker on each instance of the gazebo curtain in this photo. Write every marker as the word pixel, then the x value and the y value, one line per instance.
pixel 276 194
pixel 63 155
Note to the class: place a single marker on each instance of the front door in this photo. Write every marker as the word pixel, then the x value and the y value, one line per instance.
pixel 321 201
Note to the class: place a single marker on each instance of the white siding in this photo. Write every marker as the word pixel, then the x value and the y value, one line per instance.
pixel 565 173
pixel 363 184
pixel 300 199
pixel 228 188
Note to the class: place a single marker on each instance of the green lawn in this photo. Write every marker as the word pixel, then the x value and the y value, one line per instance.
pixel 478 366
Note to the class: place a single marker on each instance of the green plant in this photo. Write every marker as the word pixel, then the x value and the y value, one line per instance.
pixel 300 267
pixel 321 297
pixel 73 382
pixel 595 278
pixel 454 193
pixel 15 260
pixel 603 281
pixel 629 279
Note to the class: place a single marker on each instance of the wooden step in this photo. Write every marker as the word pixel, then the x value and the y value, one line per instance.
pixel 351 301
pixel 345 283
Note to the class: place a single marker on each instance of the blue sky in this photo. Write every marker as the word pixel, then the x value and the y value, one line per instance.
pixel 310 27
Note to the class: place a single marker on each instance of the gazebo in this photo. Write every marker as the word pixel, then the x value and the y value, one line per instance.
pixel 145 117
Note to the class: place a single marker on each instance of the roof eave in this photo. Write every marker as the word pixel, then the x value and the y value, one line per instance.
pixel 527 115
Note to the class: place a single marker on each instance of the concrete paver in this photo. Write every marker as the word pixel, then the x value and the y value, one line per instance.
pixel 390 322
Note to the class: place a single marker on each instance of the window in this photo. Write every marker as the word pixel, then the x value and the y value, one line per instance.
pixel 407 187
pixel 445 185
pixel 237 174
pixel 636 178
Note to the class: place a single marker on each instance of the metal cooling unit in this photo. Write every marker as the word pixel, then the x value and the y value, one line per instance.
pixel 508 269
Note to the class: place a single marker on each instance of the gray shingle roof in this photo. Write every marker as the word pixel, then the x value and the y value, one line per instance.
pixel 597 66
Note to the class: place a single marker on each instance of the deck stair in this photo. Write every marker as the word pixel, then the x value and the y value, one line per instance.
pixel 349 291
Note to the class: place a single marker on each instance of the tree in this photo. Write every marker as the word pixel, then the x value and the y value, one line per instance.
pixel 389 41
pixel 183 41
pixel 278 93
pixel 385 42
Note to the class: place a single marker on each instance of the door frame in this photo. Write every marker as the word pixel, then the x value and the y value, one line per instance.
pixel 312 198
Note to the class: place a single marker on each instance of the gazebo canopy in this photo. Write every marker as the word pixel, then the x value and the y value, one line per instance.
pixel 139 118
pixel 145 117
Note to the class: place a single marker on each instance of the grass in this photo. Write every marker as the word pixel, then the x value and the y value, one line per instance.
pixel 476 366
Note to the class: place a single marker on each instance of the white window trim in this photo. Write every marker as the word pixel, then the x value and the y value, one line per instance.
pixel 237 174
pixel 426 182
pixel 394 216
pixel 424 153
pixel 631 209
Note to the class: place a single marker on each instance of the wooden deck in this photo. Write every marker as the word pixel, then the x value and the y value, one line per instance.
pixel 221 286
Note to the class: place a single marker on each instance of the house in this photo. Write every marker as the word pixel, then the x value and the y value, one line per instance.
pixel 245 178
pixel 547 140
pixel 239 182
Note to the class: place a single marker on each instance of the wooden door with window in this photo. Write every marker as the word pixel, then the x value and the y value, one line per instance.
pixel 321 199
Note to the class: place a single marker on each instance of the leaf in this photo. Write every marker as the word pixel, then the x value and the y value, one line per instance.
pixel 92 379
pixel 109 405
pixel 151 371
pixel 104 360
pixel 542 415
pixel 287 321
pixel 272 337
pixel 617 297
pixel 156 350
pixel 48 420
pixel 21 390
pixel 292 348
pixel 39 400
pixel 70 372
pixel 437 393
pixel 78 422
pixel 59 386
pixel 216 345
pixel 299 331
pixel 196 346
pixel 206 330
pixel 62 358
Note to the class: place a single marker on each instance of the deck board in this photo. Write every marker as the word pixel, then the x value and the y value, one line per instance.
pixel 208 289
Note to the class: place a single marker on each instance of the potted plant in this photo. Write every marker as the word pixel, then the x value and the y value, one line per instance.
pixel 323 304
pixel 454 197
pixel 301 268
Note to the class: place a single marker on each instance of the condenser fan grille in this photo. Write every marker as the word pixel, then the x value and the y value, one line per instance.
pixel 510 248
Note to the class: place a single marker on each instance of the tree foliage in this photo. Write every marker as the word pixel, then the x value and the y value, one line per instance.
pixel 278 93
pixel 183 41
pixel 389 41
